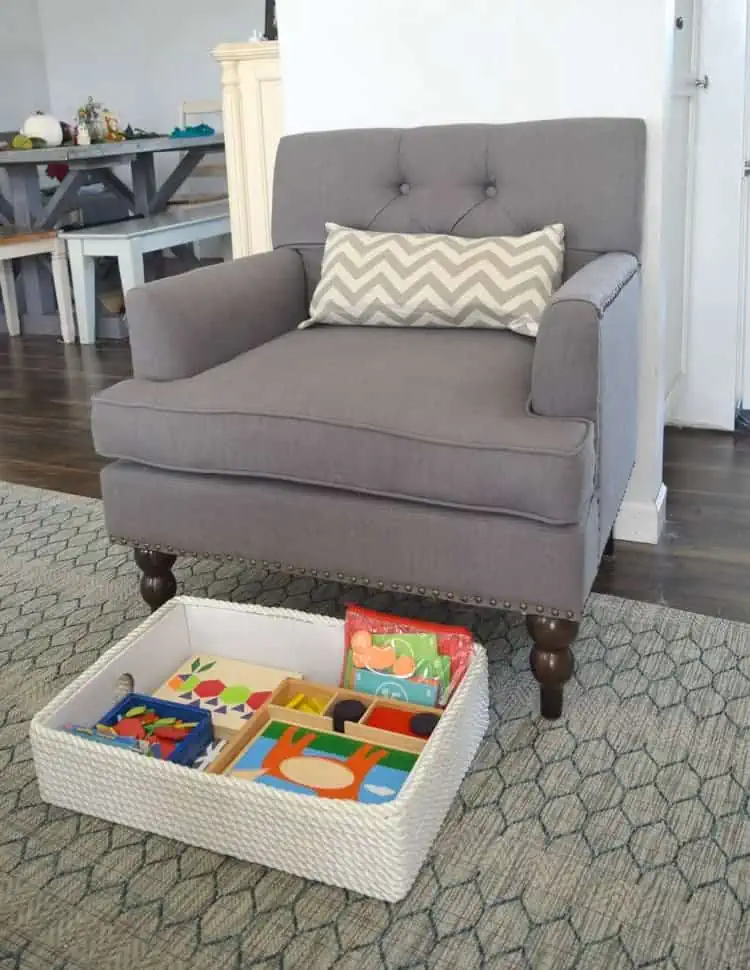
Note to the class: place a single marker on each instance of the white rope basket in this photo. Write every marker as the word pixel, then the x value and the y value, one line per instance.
pixel 376 850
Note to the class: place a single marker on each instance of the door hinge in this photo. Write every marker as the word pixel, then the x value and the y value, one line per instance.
pixel 747 168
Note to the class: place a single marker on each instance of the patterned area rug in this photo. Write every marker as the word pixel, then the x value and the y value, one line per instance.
pixel 616 838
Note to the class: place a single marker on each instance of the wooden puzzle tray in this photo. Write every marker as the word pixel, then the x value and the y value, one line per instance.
pixel 367 844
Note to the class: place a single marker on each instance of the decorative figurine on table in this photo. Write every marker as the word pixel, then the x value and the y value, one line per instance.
pixel 92 119
pixel 113 127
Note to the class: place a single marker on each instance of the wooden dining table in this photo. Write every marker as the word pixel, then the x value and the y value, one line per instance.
pixel 28 207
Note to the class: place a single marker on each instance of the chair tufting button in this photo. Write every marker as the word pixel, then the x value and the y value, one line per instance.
pixel 404 188
pixel 490 191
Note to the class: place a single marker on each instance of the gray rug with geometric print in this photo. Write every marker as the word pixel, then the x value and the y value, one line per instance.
pixel 616 838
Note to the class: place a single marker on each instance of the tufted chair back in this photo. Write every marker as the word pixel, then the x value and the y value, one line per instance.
pixel 471 180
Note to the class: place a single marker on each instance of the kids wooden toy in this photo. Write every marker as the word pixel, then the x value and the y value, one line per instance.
pixel 322 764
pixel 359 748
pixel 230 690
pixel 169 731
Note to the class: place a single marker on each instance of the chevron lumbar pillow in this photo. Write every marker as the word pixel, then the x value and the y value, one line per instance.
pixel 399 280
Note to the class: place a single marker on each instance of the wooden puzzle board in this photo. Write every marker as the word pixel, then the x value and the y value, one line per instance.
pixel 230 690
pixel 296 751
pixel 325 764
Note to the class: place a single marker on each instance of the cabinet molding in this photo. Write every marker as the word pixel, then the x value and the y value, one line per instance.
pixel 253 124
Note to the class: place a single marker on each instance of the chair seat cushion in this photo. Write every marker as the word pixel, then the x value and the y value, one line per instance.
pixel 432 416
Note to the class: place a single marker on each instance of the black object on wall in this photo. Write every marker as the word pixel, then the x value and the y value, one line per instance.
pixel 272 30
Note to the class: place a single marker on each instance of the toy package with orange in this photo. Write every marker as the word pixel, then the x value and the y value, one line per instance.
pixel 407 660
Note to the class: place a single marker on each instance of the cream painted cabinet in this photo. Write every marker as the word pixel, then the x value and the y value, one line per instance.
pixel 251 86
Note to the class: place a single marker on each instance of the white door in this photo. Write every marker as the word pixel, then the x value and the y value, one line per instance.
pixel 679 192
pixel 707 395
pixel 743 361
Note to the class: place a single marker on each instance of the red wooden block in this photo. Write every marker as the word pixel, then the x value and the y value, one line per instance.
pixel 391 719
pixel 170 733
pixel 130 727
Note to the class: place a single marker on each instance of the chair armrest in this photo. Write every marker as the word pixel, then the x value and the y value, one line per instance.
pixel 588 332
pixel 586 365
pixel 186 324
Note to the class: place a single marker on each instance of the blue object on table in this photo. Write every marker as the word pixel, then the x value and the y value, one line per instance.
pixel 194 744
pixel 193 131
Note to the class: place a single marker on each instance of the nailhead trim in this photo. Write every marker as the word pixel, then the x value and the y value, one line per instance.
pixel 353 580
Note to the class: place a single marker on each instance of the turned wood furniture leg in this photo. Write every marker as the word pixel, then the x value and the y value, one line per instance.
pixel 609 549
pixel 551 660
pixel 157 582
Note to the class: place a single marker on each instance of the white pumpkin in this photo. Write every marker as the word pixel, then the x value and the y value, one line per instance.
pixel 45 127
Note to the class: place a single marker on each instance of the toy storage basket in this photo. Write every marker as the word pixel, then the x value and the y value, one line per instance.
pixel 376 850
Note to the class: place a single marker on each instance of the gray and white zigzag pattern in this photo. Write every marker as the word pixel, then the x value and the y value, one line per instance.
pixel 394 279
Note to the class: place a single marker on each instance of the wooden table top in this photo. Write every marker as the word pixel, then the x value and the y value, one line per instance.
pixel 13 234
pixel 107 150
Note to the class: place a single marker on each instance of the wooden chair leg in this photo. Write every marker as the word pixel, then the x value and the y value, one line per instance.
pixel 82 270
pixel 158 583
pixel 551 660
pixel 61 278
pixel 609 549
pixel 10 299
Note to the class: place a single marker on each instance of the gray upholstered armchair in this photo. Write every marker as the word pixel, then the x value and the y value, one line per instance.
pixel 474 465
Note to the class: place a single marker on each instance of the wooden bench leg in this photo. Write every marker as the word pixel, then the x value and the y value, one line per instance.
pixel 10 300
pixel 61 278
pixel 132 273
pixel 84 290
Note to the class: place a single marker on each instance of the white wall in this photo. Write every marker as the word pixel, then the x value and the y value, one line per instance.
pixel 386 62
pixel 23 74
pixel 142 58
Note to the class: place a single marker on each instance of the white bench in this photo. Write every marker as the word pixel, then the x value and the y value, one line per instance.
pixel 20 243
pixel 129 241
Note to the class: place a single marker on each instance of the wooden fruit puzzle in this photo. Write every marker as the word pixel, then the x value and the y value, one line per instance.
pixel 336 743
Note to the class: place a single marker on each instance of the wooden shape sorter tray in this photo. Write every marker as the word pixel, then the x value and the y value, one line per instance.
pixel 299 751
pixel 373 849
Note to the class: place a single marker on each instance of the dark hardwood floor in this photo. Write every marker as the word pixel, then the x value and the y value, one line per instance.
pixel 702 563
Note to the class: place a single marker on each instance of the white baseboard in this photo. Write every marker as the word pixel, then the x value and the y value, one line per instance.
pixel 642 521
